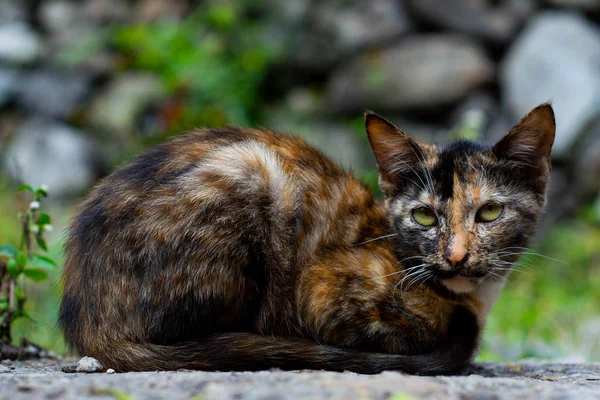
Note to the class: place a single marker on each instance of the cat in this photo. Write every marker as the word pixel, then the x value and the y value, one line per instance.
pixel 243 249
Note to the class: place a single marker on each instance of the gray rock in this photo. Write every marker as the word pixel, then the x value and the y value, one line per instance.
pixel 4 369
pixel 119 104
pixel 105 10
pixel 53 93
pixel 586 5
pixel 587 163
pixel 420 72
pixel 8 84
pixel 489 20
pixel 89 364
pixel 19 44
pixel 556 58
pixel 12 10
pixel 48 152
pixel 337 28
pixel 110 371
pixel 58 15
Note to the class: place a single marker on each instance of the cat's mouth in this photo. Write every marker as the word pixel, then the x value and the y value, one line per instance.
pixel 461 283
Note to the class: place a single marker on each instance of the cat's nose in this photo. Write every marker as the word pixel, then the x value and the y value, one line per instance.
pixel 456 253
pixel 457 258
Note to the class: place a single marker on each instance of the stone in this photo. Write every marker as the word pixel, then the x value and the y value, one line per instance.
pixel 110 371
pixel 337 28
pixel 555 58
pixel 117 107
pixel 423 71
pixel 53 93
pixel 494 21
pixel 4 369
pixel 89 365
pixel 8 84
pixel 58 15
pixel 44 151
pixel 105 10
pixel 585 5
pixel 587 163
pixel 19 44
pixel 12 10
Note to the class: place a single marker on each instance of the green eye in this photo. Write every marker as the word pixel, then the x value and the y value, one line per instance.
pixel 424 216
pixel 490 212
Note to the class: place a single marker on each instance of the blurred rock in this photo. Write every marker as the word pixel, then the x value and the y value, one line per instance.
pixel 12 10
pixel 152 10
pixel 336 28
pixel 54 93
pixel 19 44
pixel 473 116
pixel 556 58
pixel 494 21
pixel 118 105
pixel 419 72
pixel 585 5
pixel 58 15
pixel 105 10
pixel 8 84
pixel 48 152
pixel 587 163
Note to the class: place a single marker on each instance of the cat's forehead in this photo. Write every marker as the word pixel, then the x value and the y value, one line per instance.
pixel 460 173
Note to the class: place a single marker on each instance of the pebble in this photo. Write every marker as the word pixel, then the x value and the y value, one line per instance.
pixel 89 364
pixel 110 371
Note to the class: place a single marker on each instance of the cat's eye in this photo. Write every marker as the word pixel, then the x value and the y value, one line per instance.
pixel 424 216
pixel 490 212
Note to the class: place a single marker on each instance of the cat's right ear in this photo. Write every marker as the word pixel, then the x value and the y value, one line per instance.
pixel 396 152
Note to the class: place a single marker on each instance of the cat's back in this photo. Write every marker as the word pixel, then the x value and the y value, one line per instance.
pixel 198 229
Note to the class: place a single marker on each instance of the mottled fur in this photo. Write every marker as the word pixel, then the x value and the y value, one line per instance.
pixel 241 249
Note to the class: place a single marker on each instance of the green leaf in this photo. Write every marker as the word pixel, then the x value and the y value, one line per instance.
pixel 19 293
pixel 23 188
pixel 12 267
pixel 43 219
pixel 40 193
pixel 8 250
pixel 28 316
pixel 41 242
pixel 3 306
pixel 41 262
pixel 21 259
pixel 35 274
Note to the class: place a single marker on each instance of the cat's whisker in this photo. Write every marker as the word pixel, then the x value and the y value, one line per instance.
pixel 377 238
pixel 397 272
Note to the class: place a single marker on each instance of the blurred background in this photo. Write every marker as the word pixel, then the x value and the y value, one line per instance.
pixel 86 84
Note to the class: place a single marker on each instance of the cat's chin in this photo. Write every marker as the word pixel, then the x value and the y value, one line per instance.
pixel 459 284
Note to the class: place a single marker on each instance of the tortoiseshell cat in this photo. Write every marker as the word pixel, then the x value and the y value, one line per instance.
pixel 241 249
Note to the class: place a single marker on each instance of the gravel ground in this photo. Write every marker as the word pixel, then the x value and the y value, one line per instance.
pixel 45 380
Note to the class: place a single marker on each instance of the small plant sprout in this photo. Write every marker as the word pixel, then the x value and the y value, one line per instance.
pixel 20 263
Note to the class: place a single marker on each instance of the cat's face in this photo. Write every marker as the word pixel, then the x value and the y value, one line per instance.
pixel 463 212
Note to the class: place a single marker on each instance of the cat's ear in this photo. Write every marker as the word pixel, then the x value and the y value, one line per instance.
pixel 530 141
pixel 396 152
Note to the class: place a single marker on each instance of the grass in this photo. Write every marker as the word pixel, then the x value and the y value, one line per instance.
pixel 550 310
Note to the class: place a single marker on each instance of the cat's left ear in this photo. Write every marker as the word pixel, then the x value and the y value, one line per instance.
pixel 530 141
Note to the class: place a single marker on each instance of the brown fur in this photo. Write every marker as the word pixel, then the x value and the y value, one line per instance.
pixel 242 249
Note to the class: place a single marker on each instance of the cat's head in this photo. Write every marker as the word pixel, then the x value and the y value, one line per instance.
pixel 462 212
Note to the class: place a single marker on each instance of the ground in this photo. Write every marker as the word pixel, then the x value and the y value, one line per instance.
pixel 45 380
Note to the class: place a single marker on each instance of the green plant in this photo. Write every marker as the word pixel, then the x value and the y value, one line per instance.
pixel 18 264
pixel 212 63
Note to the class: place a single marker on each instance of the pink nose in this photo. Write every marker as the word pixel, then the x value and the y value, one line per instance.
pixel 456 252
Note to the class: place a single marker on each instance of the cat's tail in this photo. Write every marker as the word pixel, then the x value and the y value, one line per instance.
pixel 251 352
